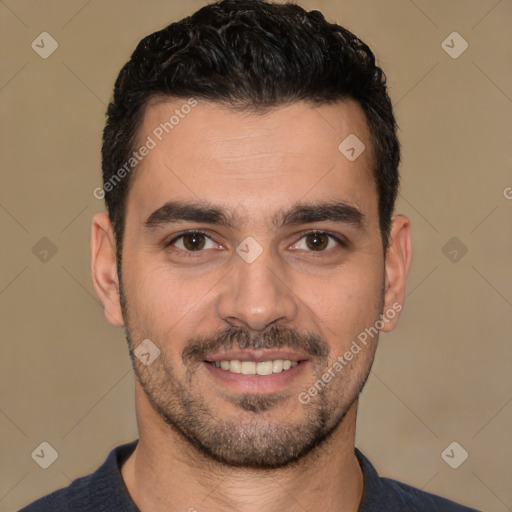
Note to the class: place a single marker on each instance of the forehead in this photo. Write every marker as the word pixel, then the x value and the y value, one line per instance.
pixel 244 160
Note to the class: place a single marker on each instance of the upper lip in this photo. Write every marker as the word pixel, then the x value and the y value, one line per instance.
pixel 257 355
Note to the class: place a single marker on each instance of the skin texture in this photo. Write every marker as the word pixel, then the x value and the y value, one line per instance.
pixel 204 443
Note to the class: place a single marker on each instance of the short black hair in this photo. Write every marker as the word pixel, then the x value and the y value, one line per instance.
pixel 249 54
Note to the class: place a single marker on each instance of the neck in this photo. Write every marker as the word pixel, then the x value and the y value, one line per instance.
pixel 165 473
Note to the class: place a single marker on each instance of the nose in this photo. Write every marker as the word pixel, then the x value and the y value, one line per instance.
pixel 255 295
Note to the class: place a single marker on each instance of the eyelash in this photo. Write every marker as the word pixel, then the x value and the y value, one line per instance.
pixel 185 233
pixel 343 242
pixel 340 240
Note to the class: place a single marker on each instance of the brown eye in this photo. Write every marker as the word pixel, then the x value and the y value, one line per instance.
pixel 317 241
pixel 194 241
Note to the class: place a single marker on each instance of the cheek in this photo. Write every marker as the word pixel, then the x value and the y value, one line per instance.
pixel 166 302
pixel 346 302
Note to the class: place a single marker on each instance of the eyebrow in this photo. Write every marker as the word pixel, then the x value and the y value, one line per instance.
pixel 176 211
pixel 339 212
pixel 301 213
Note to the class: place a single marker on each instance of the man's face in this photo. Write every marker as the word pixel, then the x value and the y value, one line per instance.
pixel 269 249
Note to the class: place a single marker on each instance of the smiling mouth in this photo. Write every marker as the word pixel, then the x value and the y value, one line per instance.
pixel 255 367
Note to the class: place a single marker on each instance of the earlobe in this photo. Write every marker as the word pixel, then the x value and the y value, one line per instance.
pixel 397 265
pixel 104 268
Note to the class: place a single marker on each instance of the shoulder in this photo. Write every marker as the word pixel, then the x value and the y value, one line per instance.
pixel 401 495
pixel 63 500
pixel 101 491
pixel 385 494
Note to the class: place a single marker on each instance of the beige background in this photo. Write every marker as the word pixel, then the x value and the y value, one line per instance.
pixel 442 376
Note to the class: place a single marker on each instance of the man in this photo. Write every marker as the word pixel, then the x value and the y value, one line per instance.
pixel 250 171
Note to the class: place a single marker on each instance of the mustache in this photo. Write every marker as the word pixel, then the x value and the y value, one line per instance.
pixel 275 337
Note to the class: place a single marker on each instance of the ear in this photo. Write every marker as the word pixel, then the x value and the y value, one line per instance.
pixel 104 268
pixel 398 262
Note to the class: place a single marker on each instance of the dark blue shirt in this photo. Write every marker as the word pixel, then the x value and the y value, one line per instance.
pixel 105 491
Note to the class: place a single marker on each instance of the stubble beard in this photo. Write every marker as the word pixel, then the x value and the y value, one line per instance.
pixel 252 441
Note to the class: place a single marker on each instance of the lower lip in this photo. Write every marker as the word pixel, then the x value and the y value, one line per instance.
pixel 256 383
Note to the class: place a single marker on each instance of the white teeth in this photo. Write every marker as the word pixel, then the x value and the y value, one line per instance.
pixel 256 368
pixel 277 366
pixel 264 368
pixel 235 366
pixel 248 368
